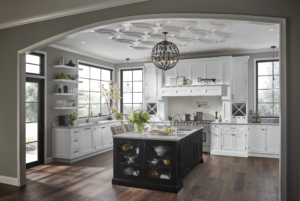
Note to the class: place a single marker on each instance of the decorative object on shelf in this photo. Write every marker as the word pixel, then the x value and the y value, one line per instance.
pixel 167 160
pixel 160 149
pixel 61 61
pixel 138 118
pixel 186 81
pixel 201 103
pixel 170 129
pixel 153 162
pixel 60 89
pixel 127 147
pixel 256 118
pixel 66 89
pixel 180 80
pixel 165 54
pixel 110 95
pixel 156 173
pixel 220 117
pixel 206 80
pixel 71 64
pixel 73 77
pixel 119 116
pixel 99 114
pixel 62 76
pixel 128 170
pixel 131 159
pixel 173 81
pixel 74 118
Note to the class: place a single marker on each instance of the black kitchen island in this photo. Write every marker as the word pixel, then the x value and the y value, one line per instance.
pixel 156 162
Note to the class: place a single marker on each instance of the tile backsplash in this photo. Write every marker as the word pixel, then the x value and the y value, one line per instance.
pixel 188 105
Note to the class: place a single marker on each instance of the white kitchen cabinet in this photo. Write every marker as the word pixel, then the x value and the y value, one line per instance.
pixel 193 91
pixel 239 142
pixel 273 139
pixel 226 111
pixel 150 83
pixel 97 137
pixel 215 133
pixel 239 78
pixel 257 139
pixel 227 141
pixel 106 136
pixel 86 140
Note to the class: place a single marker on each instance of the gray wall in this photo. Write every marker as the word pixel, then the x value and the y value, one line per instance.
pixel 52 59
pixel 16 38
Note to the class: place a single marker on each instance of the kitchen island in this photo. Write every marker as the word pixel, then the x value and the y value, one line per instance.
pixel 156 162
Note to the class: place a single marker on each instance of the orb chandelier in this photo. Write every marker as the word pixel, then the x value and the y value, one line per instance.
pixel 165 55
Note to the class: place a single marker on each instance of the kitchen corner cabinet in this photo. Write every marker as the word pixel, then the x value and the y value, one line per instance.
pixel 239 79
pixel 70 145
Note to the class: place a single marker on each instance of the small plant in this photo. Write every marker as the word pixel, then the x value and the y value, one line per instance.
pixel 73 116
pixel 256 116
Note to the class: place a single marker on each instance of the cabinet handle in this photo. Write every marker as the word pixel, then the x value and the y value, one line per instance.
pixel 232 96
pixel 75 132
pixel 87 129
pixel 233 128
pixel 75 151
pixel 102 127
pixel 75 140
pixel 263 129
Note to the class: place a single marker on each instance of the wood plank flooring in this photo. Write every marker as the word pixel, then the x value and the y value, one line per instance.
pixel 219 178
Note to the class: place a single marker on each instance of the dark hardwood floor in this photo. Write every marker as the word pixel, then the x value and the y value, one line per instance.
pixel 219 178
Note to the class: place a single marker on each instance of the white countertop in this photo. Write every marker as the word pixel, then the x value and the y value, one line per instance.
pixel 249 123
pixel 146 136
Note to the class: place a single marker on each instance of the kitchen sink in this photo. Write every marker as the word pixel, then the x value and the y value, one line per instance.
pixel 185 129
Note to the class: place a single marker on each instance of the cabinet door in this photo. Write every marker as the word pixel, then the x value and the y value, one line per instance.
pixel 273 139
pixel 226 111
pixel 106 137
pixel 227 141
pixel 239 81
pixel 256 139
pixel 97 138
pixel 215 138
pixel 240 142
pixel 151 83
pixel 87 140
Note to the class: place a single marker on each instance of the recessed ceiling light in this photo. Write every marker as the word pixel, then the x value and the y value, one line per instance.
pixel 231 45
pixel 82 42
pixel 92 31
pixel 187 50
pixel 109 51
pixel 271 29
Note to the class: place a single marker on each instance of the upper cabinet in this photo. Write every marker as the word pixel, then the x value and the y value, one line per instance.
pixel 152 82
pixel 239 76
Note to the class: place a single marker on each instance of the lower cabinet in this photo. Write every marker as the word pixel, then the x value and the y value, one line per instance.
pixel 107 136
pixel 86 140
pixel 273 139
pixel 215 135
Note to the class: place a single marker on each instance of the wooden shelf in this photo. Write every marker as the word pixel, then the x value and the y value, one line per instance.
pixel 65 94
pixel 66 67
pixel 65 108
pixel 68 81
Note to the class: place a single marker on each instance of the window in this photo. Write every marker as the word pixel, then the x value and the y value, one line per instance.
pixel 91 101
pixel 267 88
pixel 131 90
pixel 35 63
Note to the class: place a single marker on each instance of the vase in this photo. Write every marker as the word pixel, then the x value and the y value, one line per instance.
pixel 139 128
pixel 74 122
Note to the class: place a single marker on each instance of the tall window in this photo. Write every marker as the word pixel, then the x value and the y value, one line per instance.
pixel 267 88
pixel 35 63
pixel 91 101
pixel 131 90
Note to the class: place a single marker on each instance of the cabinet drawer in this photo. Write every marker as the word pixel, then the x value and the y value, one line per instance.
pixel 75 152
pixel 75 132
pixel 185 145
pixel 75 141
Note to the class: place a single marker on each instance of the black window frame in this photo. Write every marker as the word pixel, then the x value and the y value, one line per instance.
pixel 89 104
pixel 41 66
pixel 256 90
pixel 121 85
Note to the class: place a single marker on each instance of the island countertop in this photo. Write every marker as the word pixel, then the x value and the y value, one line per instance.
pixel 146 136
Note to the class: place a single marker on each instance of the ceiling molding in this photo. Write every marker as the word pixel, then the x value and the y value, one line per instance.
pixel 68 12
pixel 81 53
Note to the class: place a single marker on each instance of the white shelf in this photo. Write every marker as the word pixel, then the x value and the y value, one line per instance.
pixel 68 81
pixel 65 94
pixel 66 67
pixel 65 108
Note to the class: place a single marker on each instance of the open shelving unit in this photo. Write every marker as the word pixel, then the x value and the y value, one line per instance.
pixel 64 67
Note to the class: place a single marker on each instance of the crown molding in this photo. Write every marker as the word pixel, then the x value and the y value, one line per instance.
pixel 68 12
pixel 81 53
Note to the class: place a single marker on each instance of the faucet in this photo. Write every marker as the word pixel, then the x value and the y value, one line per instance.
pixel 173 118
pixel 90 113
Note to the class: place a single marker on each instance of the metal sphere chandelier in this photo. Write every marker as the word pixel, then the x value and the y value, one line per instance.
pixel 165 55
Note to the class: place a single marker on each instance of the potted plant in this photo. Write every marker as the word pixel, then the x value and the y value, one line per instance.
pixel 74 118
pixel 138 118
pixel 111 97
pixel 256 117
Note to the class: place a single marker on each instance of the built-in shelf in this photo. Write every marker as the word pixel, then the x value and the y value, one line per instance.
pixel 65 94
pixel 68 81
pixel 66 67
pixel 65 108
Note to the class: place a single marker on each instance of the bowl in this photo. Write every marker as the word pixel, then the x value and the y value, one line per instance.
pixel 153 162
pixel 156 173
pixel 127 147
pixel 132 159
pixel 73 77
pixel 169 129
pixel 167 160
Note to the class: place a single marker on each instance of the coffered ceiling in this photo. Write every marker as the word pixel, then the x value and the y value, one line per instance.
pixel 135 39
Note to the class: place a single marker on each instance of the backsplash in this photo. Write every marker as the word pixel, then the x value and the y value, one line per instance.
pixel 188 105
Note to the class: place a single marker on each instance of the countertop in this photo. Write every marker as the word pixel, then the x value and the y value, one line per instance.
pixel 146 136
pixel 249 123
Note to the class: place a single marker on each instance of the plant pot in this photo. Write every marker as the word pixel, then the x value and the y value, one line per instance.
pixel 74 122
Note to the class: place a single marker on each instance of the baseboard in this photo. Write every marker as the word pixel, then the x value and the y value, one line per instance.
pixel 263 155
pixel 49 160
pixel 81 157
pixel 9 180
pixel 229 153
